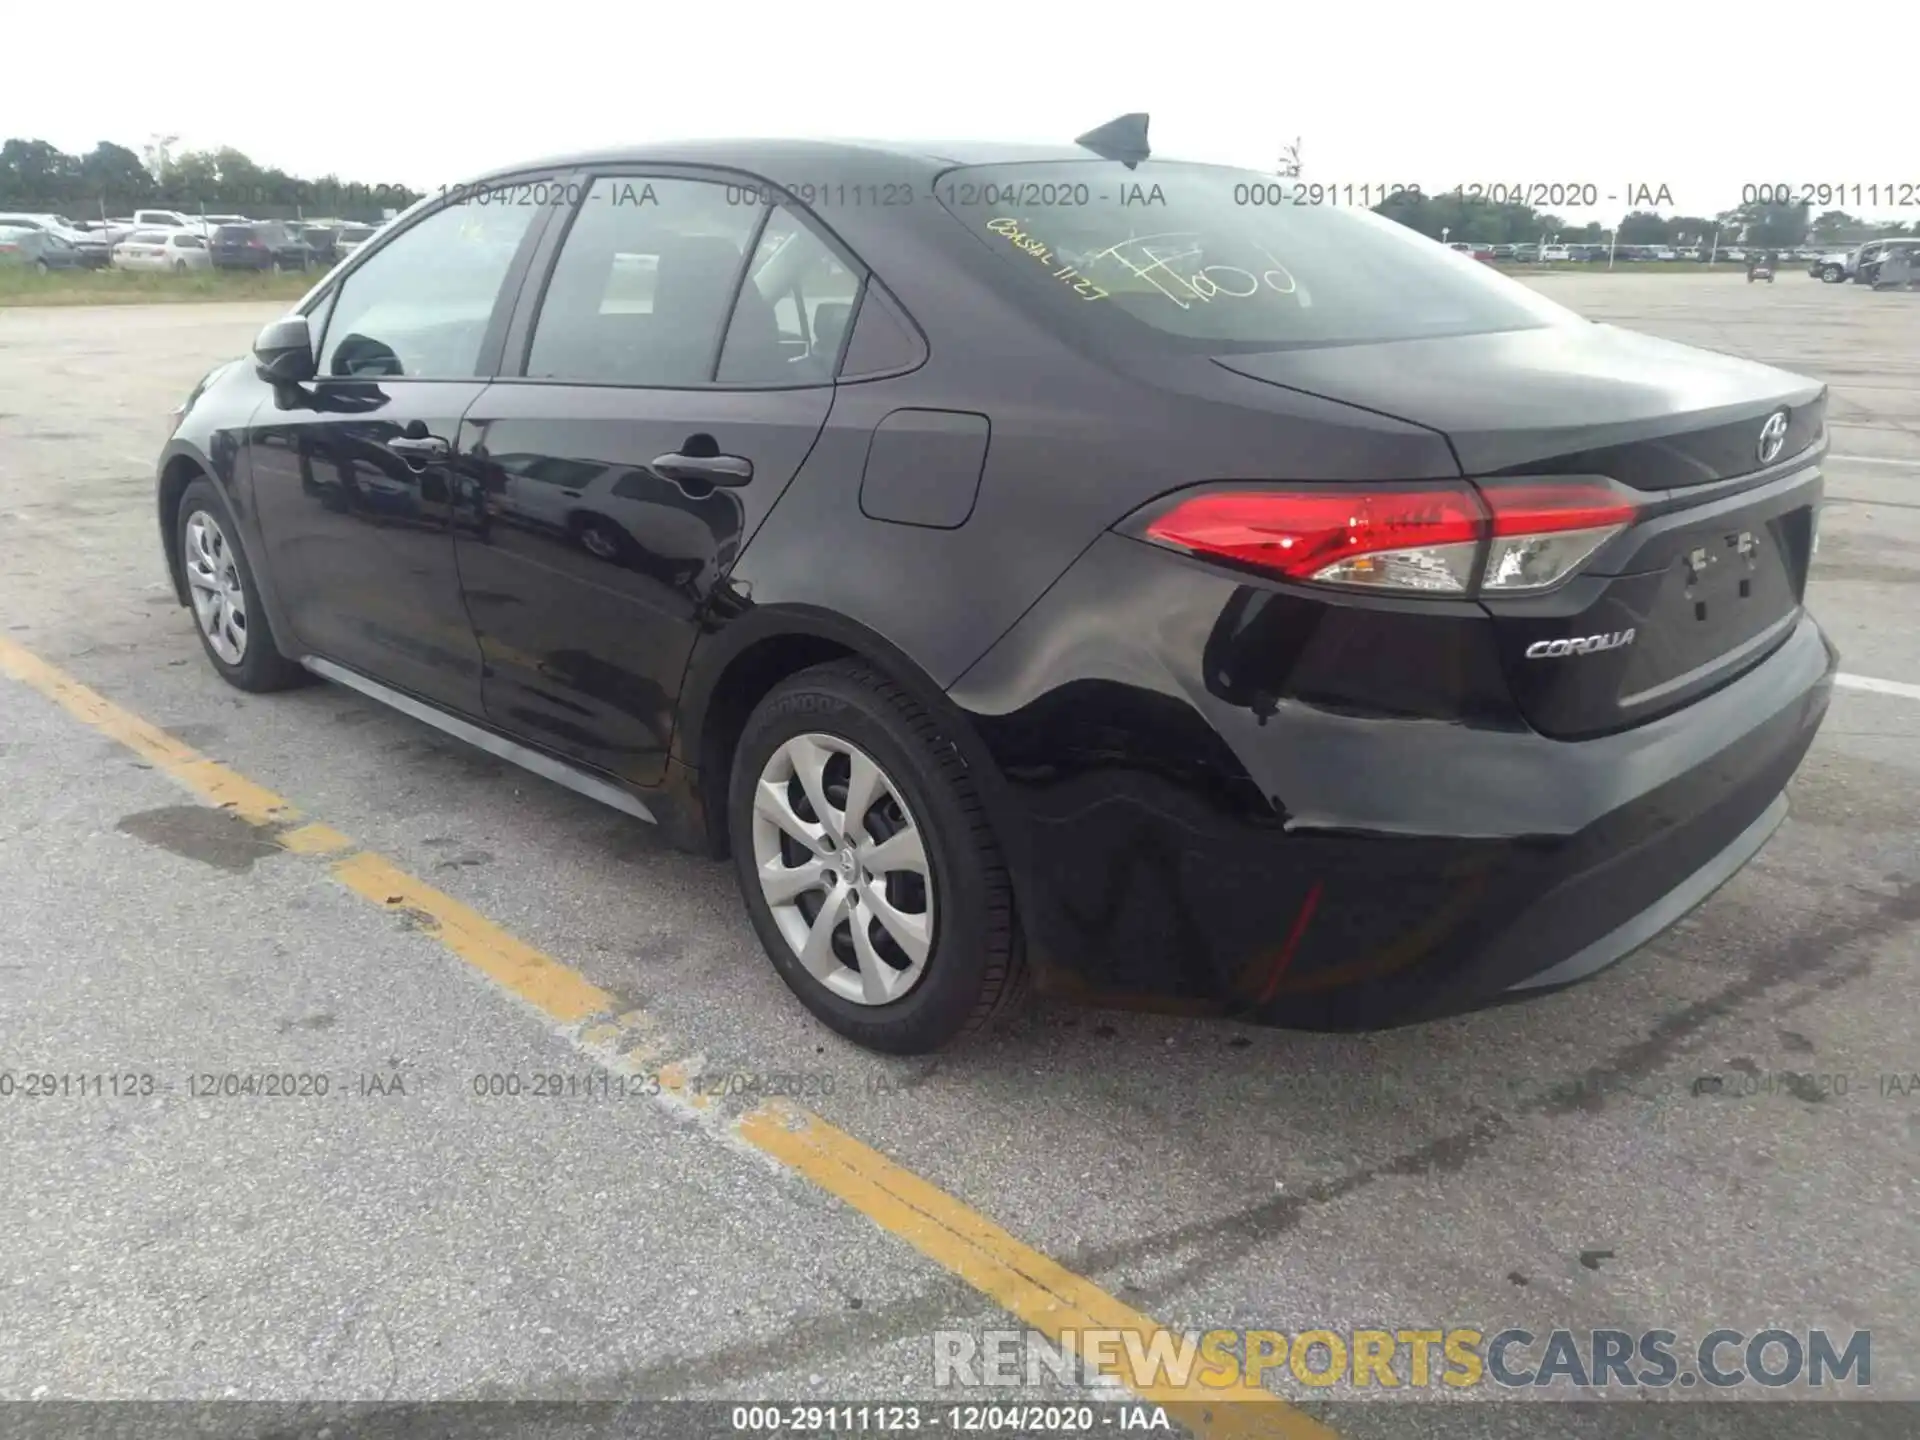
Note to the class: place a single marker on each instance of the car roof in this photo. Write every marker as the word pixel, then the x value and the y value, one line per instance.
pixel 804 161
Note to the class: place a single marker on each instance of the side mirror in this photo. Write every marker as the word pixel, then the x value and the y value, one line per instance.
pixel 283 352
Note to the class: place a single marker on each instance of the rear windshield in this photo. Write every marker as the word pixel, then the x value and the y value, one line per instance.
pixel 1217 258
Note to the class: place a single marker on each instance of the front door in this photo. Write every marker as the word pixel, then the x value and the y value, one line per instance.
pixel 352 472
pixel 613 482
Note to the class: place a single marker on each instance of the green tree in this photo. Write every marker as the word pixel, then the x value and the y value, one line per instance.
pixel 112 176
pixel 36 171
pixel 1643 227
pixel 1768 226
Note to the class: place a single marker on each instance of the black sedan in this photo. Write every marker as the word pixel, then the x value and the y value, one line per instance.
pixel 260 247
pixel 1037 563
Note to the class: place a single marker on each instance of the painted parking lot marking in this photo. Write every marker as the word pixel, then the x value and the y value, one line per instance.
pixel 1877 686
pixel 1877 460
pixel 1037 1290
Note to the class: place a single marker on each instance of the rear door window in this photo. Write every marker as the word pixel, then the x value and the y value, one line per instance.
pixel 644 282
pixel 1207 257
pixel 792 315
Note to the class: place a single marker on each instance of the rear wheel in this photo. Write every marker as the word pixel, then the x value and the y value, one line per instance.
pixel 233 625
pixel 40 267
pixel 868 865
pixel 179 267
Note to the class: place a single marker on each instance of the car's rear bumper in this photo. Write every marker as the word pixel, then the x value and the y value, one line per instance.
pixel 1176 843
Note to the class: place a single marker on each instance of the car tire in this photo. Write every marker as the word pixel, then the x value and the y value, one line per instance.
pixel 972 969
pixel 40 267
pixel 179 267
pixel 1833 274
pixel 217 574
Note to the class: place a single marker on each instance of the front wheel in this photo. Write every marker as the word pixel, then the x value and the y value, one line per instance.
pixel 233 625
pixel 1833 274
pixel 868 865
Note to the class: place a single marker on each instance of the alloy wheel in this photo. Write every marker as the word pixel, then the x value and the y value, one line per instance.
pixel 843 867
pixel 213 579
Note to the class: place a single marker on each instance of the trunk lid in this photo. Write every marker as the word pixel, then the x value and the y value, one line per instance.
pixel 1711 575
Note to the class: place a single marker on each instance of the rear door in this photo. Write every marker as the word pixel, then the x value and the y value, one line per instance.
pixel 668 370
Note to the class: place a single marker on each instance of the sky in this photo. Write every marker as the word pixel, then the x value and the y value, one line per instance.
pixel 1700 99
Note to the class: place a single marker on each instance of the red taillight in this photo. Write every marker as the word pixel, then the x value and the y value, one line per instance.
pixel 1500 536
pixel 1533 507
pixel 1414 539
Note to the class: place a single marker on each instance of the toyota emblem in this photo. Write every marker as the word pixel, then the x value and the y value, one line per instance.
pixel 1773 437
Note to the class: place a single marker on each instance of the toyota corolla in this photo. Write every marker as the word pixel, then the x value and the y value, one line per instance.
pixel 1059 563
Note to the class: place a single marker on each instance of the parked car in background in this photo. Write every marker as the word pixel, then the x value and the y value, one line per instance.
pixel 320 240
pixel 168 220
pixel 107 233
pixel 260 246
pixel 1830 266
pixel 1868 269
pixel 176 250
pixel 91 250
pixel 41 249
pixel 1553 254
pixel 350 238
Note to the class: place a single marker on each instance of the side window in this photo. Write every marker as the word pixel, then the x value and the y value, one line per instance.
pixel 792 314
pixel 643 283
pixel 318 315
pixel 420 307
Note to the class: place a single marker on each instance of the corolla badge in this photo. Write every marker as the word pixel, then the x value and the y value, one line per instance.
pixel 1773 437
pixel 1584 645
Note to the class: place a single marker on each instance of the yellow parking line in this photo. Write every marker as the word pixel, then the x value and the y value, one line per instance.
pixel 1040 1292
pixel 211 781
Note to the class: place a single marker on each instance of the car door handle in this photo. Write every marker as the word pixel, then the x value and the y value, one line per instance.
pixel 708 469
pixel 419 447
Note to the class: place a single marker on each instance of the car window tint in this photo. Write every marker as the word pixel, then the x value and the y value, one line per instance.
pixel 189 242
pixel 419 307
pixel 792 314
pixel 1203 259
pixel 643 283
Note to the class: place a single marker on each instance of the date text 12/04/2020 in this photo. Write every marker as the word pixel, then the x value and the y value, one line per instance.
pixel 1533 194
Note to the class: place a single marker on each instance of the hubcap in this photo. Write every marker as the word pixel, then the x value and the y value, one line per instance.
pixel 213 579
pixel 844 869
